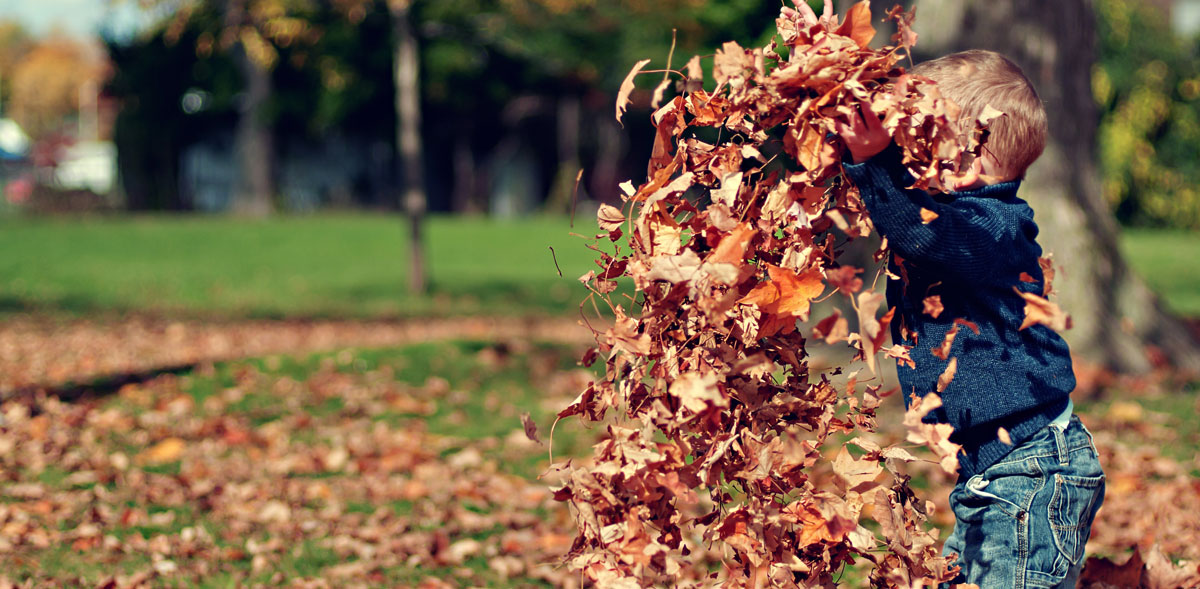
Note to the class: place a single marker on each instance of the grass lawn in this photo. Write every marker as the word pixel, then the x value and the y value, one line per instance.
pixel 326 265
pixel 356 265
pixel 1167 260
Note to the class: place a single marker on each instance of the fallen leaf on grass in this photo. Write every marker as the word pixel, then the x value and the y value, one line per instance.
pixel 168 450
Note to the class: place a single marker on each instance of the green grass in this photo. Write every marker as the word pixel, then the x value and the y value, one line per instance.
pixel 356 265
pixel 1167 260
pixel 327 265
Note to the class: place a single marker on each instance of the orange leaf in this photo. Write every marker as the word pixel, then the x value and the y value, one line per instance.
pixel 927 216
pixel 947 376
pixel 933 306
pixel 857 25
pixel 943 350
pixel 167 450
pixel 732 249
pixel 796 291
pixel 1039 310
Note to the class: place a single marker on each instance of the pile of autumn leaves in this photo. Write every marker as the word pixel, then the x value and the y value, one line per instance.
pixel 722 432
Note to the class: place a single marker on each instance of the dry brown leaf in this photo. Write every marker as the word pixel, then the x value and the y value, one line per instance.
pixel 1041 311
pixel 610 218
pixel 627 88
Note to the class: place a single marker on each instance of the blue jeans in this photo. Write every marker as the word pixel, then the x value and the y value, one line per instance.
pixel 1023 521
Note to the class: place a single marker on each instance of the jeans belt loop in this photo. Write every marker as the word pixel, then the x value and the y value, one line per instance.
pixel 1060 443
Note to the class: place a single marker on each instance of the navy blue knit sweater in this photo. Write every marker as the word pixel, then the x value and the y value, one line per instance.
pixel 972 256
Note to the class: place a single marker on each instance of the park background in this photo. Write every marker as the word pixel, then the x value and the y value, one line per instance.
pixel 281 276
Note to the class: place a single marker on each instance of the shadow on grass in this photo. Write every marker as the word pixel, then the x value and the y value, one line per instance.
pixel 95 389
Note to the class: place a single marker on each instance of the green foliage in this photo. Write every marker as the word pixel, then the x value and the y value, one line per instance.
pixel 1148 86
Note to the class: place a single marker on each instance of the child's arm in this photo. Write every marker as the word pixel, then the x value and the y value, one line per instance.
pixel 973 236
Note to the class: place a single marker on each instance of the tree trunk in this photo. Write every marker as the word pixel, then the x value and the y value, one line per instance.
pixel 408 138
pixel 253 144
pixel 466 177
pixel 1119 323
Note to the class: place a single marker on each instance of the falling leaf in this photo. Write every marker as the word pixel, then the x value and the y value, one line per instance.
pixel 832 329
pixel 1041 311
pixel 845 278
pixel 733 246
pixel 1002 435
pixel 872 331
pixel 530 427
pixel 853 471
pixel 942 351
pixel 610 218
pixel 927 216
pixel 947 375
pixel 627 88
pixel 857 25
pixel 989 114
pixel 933 305
pixel 1047 265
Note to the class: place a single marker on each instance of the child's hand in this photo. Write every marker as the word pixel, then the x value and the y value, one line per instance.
pixel 805 15
pixel 864 135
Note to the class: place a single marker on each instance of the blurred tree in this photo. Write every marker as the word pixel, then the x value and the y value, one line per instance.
pixel 1147 83
pixel 407 77
pixel 46 82
pixel 1119 323
pixel 15 42
pixel 151 75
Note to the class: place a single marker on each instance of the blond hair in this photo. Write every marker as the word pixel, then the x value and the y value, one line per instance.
pixel 976 79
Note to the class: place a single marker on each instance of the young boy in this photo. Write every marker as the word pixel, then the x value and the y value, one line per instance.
pixel 1030 481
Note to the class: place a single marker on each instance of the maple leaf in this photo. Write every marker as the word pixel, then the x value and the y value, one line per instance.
pixel 855 472
pixel 1041 311
pixel 787 295
pixel 901 354
pixel 933 306
pixel 845 278
pixel 627 88
pixel 733 246
pixel 935 436
pixel 832 329
pixel 857 25
pixel 697 393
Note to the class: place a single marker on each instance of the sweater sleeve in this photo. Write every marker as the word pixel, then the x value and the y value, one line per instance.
pixel 976 235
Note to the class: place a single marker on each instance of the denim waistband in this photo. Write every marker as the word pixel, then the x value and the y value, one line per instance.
pixel 1053 440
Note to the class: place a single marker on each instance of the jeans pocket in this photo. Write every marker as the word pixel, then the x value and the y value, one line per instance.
pixel 1072 508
